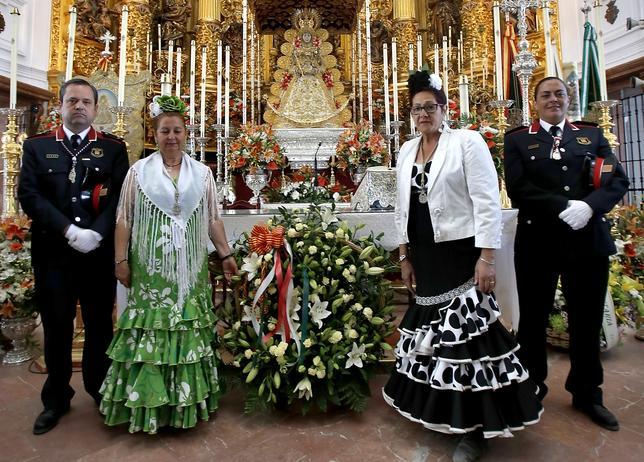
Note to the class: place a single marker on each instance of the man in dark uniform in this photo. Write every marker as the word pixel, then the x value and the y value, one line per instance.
pixel 70 182
pixel 562 231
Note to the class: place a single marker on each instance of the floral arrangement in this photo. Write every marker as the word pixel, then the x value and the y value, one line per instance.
pixel 626 271
pixel 299 187
pixel 312 311
pixel 50 122
pixel 360 146
pixel 17 293
pixel 255 149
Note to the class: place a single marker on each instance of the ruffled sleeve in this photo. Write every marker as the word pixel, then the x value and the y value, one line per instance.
pixel 125 210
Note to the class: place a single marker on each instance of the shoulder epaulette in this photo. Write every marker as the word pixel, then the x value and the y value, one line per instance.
pixel 42 135
pixel 584 123
pixel 109 136
pixel 516 129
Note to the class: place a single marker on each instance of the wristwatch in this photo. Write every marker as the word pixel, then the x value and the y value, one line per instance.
pixel 402 258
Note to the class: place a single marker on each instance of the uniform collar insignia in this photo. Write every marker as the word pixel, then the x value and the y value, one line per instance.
pixel 534 128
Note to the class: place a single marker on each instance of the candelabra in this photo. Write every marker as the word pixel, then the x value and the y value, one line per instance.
pixel 192 135
pixel 219 129
pixel 202 141
pixel 119 126
pixel 524 62
pixel 500 106
pixel 10 152
pixel 605 121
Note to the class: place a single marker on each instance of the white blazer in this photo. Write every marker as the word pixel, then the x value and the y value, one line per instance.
pixel 463 190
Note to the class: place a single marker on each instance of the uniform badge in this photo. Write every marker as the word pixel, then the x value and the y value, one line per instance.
pixel 51 156
pixel 533 146
pixel 97 152
pixel 583 140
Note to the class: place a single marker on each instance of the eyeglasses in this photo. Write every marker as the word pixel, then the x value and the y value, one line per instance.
pixel 429 108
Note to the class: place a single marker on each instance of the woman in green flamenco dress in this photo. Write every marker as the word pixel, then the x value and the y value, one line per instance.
pixel 164 370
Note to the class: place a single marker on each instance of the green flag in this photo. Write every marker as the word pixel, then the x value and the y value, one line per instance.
pixel 590 82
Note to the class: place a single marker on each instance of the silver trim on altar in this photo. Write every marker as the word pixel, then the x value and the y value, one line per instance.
pixel 300 145
pixel 376 191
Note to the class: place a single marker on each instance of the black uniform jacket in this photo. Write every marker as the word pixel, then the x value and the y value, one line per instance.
pixel 541 186
pixel 53 202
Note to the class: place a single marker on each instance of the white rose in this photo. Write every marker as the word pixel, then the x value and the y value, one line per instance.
pixel 368 313
pixel 339 233
pixel 335 337
pixel 308 343
pixel 353 269
pixel 329 235
pixel 339 261
pixel 299 226
pixel 291 232
pixel 352 333
pixel 313 250
pixel 248 353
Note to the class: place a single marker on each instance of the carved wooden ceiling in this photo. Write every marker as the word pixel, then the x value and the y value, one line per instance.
pixel 275 15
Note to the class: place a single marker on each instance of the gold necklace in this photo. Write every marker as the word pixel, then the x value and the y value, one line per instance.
pixel 422 197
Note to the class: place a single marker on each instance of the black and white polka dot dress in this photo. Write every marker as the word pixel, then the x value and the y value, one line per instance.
pixel 456 368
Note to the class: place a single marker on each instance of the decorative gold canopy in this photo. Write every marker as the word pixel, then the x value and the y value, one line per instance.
pixel 337 15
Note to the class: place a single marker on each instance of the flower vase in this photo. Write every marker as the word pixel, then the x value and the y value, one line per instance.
pixel 256 182
pixel 358 174
pixel 18 331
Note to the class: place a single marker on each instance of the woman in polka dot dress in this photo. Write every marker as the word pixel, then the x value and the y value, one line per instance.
pixel 456 368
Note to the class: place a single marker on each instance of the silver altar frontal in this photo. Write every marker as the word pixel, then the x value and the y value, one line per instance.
pixel 300 145
pixel 377 190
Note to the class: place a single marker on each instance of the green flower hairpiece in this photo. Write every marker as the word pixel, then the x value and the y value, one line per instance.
pixel 167 103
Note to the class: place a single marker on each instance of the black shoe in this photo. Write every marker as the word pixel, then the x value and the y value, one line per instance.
pixel 542 391
pixel 470 448
pixel 599 414
pixel 47 420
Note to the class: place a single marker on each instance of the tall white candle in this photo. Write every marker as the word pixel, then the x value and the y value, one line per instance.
pixel 445 67
pixel 202 103
pixel 419 51
pixel 177 80
pixel 394 74
pixel 166 85
pixel 159 41
pixel 353 78
pixel 170 53
pixel 244 57
pixel 498 54
pixel 13 73
pixel 411 56
pixel 368 37
pixel 463 95
pixel 359 50
pixel 193 64
pixel 385 71
pixel 547 40
pixel 600 50
pixel 252 72
pixel 150 57
pixel 148 50
pixel 437 66
pixel 71 32
pixel 227 94
pixel 219 79
pixel 259 85
pixel 123 56
pixel 458 58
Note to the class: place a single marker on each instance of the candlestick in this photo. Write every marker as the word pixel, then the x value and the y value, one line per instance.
pixel 177 81
pixel 71 32
pixel 123 56
pixel 170 53
pixel 193 60
pixel 394 74
pixel 498 52
pixel 202 104
pixel 244 57
pixel 219 79
pixel 11 151
pixel 419 51
pixel 385 69
pixel 369 82
pixel 13 73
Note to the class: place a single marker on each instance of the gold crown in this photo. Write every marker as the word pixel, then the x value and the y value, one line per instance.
pixel 306 18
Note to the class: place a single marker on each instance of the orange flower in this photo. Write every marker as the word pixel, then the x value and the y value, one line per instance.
pixel 272 165
pixel 15 246
pixel 13 230
pixel 7 309
pixel 322 181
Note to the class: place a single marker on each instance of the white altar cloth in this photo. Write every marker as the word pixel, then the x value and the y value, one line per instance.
pixel 237 222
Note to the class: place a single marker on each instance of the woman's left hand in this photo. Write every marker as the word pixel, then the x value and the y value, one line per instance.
pixel 230 268
pixel 484 276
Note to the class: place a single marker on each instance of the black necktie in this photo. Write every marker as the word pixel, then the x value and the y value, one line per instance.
pixel 76 141
pixel 554 131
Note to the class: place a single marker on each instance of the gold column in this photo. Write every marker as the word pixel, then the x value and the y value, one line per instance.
pixel 139 21
pixel 58 42
pixel 405 30
pixel 207 35
pixel 478 27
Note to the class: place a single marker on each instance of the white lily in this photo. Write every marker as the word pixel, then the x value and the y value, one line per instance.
pixel 304 389
pixel 327 218
pixel 318 310
pixel 251 265
pixel 355 356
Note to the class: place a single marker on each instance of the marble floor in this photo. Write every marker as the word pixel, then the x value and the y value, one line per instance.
pixel 379 434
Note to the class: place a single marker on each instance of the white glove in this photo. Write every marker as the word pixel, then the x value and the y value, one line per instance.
pixel 86 241
pixel 72 233
pixel 576 214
